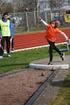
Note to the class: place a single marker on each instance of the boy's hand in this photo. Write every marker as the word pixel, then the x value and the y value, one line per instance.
pixel 68 41
pixel 40 18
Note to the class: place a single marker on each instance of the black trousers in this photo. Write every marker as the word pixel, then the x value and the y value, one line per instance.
pixel 51 48
pixel 12 43
pixel 5 42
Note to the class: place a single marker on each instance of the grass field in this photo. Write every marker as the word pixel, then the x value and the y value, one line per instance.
pixel 21 60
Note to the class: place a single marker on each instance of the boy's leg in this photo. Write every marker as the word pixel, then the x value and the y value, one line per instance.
pixel 8 44
pixel 50 52
pixel 12 44
pixel 3 42
pixel 60 53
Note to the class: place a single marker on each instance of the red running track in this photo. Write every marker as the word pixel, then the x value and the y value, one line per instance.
pixel 35 39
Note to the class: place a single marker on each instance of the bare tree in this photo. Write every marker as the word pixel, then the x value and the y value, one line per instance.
pixel 18 5
pixel 56 3
pixel 22 5
pixel 5 7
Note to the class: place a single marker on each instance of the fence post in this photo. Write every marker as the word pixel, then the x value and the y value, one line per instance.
pixel 46 15
pixel 35 17
pixel 27 21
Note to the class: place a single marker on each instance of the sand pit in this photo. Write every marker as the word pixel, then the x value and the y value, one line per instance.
pixel 15 89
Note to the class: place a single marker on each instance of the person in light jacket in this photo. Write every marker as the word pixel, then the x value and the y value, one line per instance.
pixel 5 31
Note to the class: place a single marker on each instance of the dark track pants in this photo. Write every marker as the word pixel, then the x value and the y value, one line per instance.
pixel 12 43
pixel 6 40
pixel 51 48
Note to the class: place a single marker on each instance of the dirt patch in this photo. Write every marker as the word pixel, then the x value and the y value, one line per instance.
pixel 16 88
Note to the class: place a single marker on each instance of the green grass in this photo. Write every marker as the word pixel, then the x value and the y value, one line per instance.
pixel 63 97
pixel 20 60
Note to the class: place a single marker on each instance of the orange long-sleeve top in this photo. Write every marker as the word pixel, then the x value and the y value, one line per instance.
pixel 51 33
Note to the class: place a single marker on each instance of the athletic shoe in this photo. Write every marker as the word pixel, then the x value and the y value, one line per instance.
pixel 5 52
pixel 50 63
pixel 62 57
pixel 1 57
pixel 9 55
pixel 12 49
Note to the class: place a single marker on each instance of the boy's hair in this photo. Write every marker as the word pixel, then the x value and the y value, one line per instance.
pixel 6 13
pixel 57 23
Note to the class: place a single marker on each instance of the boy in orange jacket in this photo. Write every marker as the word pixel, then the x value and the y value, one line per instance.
pixel 51 32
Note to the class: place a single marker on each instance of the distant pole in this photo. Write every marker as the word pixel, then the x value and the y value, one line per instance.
pixel 37 26
pixel 27 21
pixel 1 4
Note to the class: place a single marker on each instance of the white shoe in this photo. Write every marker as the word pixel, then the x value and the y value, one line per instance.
pixel 9 55
pixel 5 52
pixel 1 57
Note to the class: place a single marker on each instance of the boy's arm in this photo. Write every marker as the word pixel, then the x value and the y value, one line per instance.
pixel 62 33
pixel 46 24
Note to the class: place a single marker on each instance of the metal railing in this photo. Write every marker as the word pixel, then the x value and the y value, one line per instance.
pixel 29 21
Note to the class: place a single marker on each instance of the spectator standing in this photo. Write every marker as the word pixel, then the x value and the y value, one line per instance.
pixel 12 34
pixel 5 27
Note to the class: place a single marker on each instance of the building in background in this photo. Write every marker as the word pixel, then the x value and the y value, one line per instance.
pixel 55 9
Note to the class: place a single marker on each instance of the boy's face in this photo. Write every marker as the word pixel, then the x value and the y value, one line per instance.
pixel 53 24
pixel 7 16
